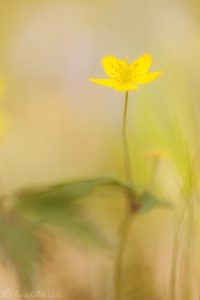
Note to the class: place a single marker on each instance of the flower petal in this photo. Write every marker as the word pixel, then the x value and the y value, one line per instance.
pixel 126 87
pixel 141 65
pixel 114 66
pixel 105 82
pixel 147 77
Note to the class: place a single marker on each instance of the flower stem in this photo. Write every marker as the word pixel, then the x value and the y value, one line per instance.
pixel 175 253
pixel 189 252
pixel 127 162
pixel 127 219
pixel 119 261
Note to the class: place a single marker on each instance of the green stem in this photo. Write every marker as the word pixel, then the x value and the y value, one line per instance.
pixel 187 288
pixel 127 161
pixel 175 253
pixel 154 173
pixel 119 260
pixel 127 220
pixel 187 237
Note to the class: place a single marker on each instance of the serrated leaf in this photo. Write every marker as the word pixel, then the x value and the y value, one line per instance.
pixel 148 201
pixel 20 247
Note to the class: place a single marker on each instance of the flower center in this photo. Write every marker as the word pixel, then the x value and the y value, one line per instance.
pixel 124 72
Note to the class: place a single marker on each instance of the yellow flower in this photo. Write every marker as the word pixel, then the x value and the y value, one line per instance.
pixel 157 154
pixel 123 76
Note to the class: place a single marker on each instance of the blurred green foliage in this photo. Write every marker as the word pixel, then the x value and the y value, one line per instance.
pixel 55 206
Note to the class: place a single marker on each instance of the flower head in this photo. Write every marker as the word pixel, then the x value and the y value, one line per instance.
pixel 157 154
pixel 123 76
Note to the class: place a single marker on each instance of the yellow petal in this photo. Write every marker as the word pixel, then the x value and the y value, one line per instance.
pixel 126 87
pixel 147 77
pixel 141 65
pixel 114 66
pixel 105 82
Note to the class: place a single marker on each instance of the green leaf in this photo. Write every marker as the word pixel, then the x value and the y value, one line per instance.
pixel 69 221
pixel 20 247
pixel 56 205
pixel 148 201
pixel 76 227
pixel 64 193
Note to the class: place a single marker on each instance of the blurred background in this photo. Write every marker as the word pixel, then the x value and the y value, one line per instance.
pixel 59 126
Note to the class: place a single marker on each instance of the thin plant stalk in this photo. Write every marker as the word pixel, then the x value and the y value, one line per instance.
pixel 119 260
pixel 154 172
pixel 175 254
pixel 127 220
pixel 127 161
pixel 187 289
